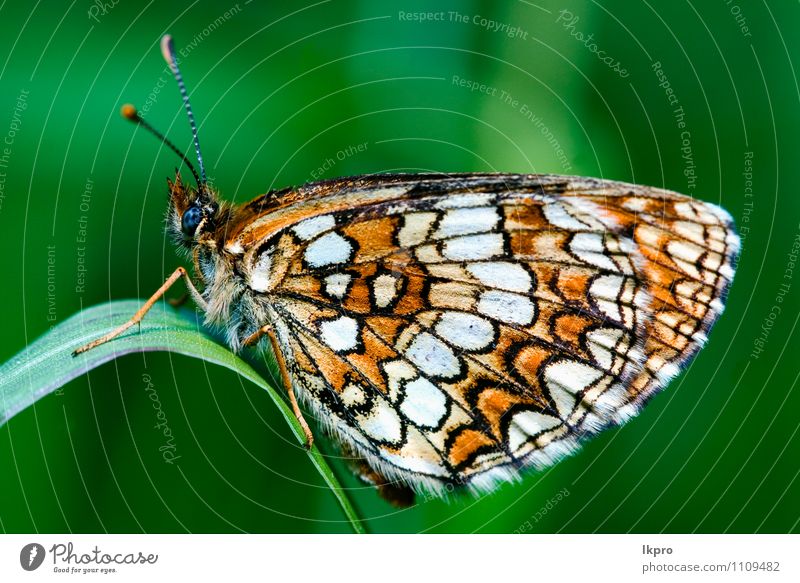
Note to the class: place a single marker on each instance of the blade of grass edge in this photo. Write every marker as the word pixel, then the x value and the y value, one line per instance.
pixel 47 364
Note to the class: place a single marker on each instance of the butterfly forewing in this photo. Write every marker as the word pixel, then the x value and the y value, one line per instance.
pixel 456 329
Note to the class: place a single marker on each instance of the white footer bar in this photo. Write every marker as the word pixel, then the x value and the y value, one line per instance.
pixel 400 558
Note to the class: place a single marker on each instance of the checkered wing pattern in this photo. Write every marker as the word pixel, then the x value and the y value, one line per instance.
pixel 459 329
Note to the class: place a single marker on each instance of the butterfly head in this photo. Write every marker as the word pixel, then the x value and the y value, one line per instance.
pixel 194 212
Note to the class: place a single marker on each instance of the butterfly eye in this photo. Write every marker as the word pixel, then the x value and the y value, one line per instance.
pixel 190 220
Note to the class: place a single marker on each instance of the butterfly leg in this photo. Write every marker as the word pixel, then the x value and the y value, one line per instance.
pixel 137 317
pixel 287 381
pixel 178 302
pixel 395 493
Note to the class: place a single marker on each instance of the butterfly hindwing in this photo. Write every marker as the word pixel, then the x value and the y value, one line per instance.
pixel 456 329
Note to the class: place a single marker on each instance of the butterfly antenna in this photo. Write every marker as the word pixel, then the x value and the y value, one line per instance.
pixel 168 50
pixel 129 112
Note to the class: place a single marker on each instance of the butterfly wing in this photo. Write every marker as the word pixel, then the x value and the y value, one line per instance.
pixel 456 329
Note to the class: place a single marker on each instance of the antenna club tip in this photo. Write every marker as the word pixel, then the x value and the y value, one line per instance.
pixel 128 111
pixel 167 48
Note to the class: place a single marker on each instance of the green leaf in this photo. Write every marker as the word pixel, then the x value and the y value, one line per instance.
pixel 48 364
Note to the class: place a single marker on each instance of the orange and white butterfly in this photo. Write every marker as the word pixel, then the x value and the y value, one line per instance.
pixel 456 329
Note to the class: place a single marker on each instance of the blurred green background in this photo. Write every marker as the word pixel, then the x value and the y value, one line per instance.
pixel 277 91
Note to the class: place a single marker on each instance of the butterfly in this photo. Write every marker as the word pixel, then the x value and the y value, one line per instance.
pixel 454 330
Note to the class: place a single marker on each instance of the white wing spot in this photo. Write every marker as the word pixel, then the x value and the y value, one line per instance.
pixel 433 357
pixel 385 289
pixel 685 256
pixel 705 213
pixel 259 276
pixel 526 424
pixel 636 205
pixel 336 284
pixel 473 247
pixel 502 275
pixel 340 334
pixel 424 404
pixel 560 217
pixel 465 200
pixel 314 226
pixel 606 287
pixel 690 230
pixel 353 395
pixel 398 371
pixel 416 463
pixel 329 249
pixel 382 423
pixel 415 229
pixel 465 330
pixel 565 379
pixel 506 307
pixel 590 248
pixel 467 220
pixel 602 343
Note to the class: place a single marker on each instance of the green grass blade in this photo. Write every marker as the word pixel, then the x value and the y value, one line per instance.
pixel 47 364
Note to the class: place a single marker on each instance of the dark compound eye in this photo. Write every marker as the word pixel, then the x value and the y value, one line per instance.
pixel 190 220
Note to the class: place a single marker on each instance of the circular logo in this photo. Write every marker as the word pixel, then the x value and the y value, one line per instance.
pixel 31 556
